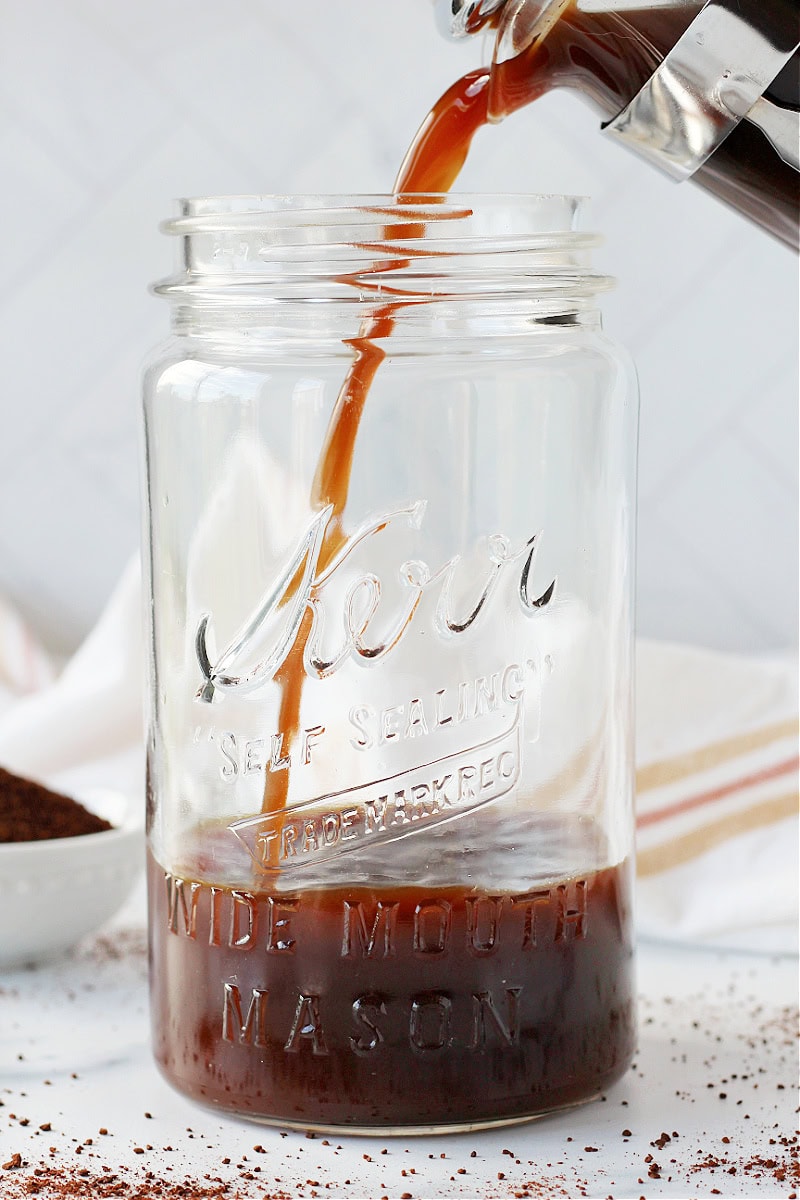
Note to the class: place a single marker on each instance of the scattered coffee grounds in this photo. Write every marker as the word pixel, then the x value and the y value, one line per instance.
pixel 64 1183
pixel 781 1164
pixel 32 813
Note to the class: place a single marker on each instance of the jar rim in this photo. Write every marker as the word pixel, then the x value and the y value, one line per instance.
pixel 551 211
pixel 368 248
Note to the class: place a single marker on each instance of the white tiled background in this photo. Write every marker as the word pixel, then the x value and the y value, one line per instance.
pixel 109 109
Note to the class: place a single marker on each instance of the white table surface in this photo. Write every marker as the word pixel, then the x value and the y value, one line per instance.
pixel 717 1059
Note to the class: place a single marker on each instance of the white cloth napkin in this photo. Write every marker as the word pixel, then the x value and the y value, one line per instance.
pixel 79 728
pixel 717 795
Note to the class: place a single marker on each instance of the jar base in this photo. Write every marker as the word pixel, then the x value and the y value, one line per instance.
pixel 430 1129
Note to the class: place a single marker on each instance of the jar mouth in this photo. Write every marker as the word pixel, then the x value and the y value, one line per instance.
pixel 539 212
pixel 369 248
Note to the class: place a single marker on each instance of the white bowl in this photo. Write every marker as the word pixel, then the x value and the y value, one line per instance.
pixel 53 892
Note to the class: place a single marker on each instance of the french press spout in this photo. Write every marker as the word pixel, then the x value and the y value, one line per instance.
pixel 721 105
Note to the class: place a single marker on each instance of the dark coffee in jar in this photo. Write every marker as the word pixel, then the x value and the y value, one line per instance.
pixel 379 1007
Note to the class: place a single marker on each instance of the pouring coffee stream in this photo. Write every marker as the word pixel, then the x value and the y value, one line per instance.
pixel 610 52
pixel 707 90
pixel 431 166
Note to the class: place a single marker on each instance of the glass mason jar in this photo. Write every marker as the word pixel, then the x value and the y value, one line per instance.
pixel 390 479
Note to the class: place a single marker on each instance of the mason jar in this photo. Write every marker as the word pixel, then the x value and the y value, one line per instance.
pixel 390 460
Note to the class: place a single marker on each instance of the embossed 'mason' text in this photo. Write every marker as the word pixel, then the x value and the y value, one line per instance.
pixel 430 1021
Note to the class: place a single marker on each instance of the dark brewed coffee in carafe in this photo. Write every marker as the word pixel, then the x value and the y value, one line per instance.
pixel 607 51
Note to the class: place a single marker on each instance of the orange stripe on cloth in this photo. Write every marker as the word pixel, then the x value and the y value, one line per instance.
pixel 694 761
pixel 726 789
pixel 692 845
